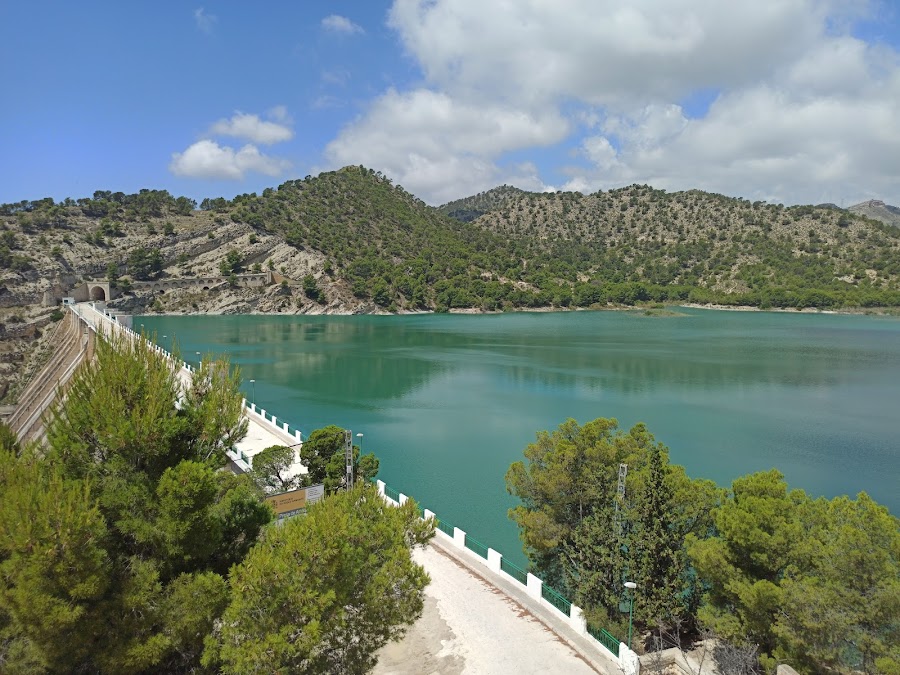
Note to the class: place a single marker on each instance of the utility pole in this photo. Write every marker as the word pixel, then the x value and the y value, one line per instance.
pixel 348 458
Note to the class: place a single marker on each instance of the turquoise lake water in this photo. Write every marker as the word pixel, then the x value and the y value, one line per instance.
pixel 449 401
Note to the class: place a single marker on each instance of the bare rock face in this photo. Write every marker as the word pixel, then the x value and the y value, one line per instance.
pixel 47 262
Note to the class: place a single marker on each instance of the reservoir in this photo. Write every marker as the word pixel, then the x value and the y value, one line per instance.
pixel 447 402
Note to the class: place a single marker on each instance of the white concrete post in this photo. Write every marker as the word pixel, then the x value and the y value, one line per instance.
pixel 628 660
pixel 428 514
pixel 493 560
pixel 274 420
pixel 403 498
pixel 243 403
pixel 577 620
pixel 380 484
pixel 285 426
pixel 253 407
pixel 262 413
pixel 534 586
pixel 298 436
pixel 459 537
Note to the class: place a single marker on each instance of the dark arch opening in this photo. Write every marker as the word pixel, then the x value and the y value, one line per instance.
pixel 97 293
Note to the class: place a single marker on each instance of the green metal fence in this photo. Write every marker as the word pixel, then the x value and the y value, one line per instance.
pixel 605 638
pixel 444 526
pixel 555 599
pixel 390 493
pixel 515 572
pixel 476 547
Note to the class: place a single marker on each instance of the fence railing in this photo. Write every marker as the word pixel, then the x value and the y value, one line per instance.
pixel 556 599
pixel 604 637
pixel 514 571
pixel 392 494
pixel 442 525
pixel 476 547
pixel 535 587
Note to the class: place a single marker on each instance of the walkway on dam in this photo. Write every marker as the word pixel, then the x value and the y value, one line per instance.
pixel 470 626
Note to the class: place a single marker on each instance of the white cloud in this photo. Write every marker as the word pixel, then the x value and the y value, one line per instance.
pixel 805 135
pixel 800 111
pixel 252 128
pixel 604 52
pixel 208 159
pixel 205 22
pixel 439 147
pixel 341 24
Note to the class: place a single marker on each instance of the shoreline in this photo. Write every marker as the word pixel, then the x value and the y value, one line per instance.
pixel 654 307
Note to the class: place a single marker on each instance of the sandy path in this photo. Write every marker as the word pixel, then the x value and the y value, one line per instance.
pixel 469 628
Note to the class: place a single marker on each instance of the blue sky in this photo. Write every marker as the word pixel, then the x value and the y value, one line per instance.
pixel 785 100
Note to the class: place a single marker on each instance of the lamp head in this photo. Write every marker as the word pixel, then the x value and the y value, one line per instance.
pixel 630 585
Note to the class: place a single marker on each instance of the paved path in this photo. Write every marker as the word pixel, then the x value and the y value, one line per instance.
pixel 469 627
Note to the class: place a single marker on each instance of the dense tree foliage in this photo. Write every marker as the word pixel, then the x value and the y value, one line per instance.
pixel 144 264
pixel 813 582
pixel 272 470
pixel 586 542
pixel 323 456
pixel 347 586
pixel 123 541
pixel 128 499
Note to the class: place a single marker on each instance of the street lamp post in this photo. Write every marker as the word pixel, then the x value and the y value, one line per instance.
pixel 360 437
pixel 253 386
pixel 630 585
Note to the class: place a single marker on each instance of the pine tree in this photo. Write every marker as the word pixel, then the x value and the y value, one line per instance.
pixel 655 551
pixel 346 584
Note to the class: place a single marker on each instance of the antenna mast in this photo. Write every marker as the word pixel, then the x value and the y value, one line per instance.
pixel 348 458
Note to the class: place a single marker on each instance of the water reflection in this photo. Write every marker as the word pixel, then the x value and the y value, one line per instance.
pixel 450 401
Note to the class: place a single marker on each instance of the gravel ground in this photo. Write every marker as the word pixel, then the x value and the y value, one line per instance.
pixel 469 627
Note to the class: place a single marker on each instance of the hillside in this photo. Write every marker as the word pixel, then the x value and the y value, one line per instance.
pixel 722 249
pixel 468 209
pixel 878 210
pixel 350 241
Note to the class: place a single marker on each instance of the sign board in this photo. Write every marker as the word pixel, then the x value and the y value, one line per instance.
pixel 291 503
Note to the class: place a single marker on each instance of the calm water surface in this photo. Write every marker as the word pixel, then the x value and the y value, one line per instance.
pixel 449 401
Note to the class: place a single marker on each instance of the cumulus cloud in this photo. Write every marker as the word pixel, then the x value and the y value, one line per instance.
pixel 208 159
pixel 800 108
pixel 436 145
pixel 205 22
pixel 341 24
pixel 800 137
pixel 252 128
pixel 602 51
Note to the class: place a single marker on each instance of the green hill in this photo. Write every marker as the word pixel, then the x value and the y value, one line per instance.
pixel 697 246
pixel 351 241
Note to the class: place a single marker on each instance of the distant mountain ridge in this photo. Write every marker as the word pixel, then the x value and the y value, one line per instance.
pixel 877 209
